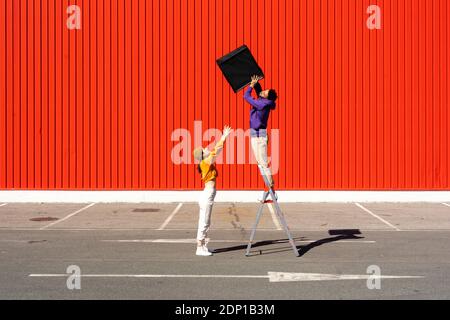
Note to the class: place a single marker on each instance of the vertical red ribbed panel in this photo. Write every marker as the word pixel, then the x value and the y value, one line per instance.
pixel 96 108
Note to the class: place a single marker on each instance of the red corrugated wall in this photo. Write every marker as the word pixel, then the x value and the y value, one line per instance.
pixel 95 108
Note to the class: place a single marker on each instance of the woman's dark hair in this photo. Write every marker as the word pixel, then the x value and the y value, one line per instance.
pixel 198 167
pixel 272 95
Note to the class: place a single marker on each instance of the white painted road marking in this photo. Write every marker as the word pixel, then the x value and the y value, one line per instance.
pixel 3 204
pixel 289 277
pixel 67 217
pixel 271 276
pixel 150 276
pixel 219 241
pixel 169 218
pixel 379 218
pixel 446 204
pixel 274 217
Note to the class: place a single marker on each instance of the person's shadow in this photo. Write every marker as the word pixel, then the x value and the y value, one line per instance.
pixel 336 235
pixel 256 244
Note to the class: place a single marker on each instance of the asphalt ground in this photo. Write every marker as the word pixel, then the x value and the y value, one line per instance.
pixel 147 251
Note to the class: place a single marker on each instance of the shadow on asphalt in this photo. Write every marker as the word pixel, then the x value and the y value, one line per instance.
pixel 337 235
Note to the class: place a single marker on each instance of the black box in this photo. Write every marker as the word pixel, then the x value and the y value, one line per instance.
pixel 238 67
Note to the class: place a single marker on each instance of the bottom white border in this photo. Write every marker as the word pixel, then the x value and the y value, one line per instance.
pixel 33 196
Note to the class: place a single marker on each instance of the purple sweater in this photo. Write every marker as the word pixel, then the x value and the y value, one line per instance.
pixel 259 114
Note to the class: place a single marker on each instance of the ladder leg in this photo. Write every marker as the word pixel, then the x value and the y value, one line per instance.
pixel 283 223
pixel 258 217
pixel 278 211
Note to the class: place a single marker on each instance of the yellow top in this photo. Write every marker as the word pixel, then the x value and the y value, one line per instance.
pixel 207 165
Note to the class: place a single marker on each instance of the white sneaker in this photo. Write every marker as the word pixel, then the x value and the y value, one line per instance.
pixel 203 251
pixel 206 248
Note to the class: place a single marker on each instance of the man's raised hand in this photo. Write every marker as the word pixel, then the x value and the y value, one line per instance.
pixel 255 80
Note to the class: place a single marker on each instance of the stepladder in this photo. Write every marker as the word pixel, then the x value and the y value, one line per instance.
pixel 270 198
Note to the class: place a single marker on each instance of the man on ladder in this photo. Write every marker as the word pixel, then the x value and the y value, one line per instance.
pixel 259 116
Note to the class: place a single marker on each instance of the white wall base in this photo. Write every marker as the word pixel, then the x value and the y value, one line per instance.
pixel 23 196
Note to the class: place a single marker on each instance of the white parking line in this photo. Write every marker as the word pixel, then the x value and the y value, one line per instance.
pixel 3 204
pixel 151 276
pixel 379 218
pixel 169 218
pixel 271 276
pixel 67 217
pixel 446 204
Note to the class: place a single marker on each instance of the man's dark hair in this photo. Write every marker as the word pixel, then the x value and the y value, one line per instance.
pixel 272 95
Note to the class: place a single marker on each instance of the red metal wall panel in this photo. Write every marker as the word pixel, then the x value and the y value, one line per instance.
pixel 95 108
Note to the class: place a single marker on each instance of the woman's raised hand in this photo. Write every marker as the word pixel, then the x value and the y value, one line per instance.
pixel 226 132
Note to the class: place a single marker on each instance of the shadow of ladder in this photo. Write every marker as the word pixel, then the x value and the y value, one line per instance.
pixel 278 213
